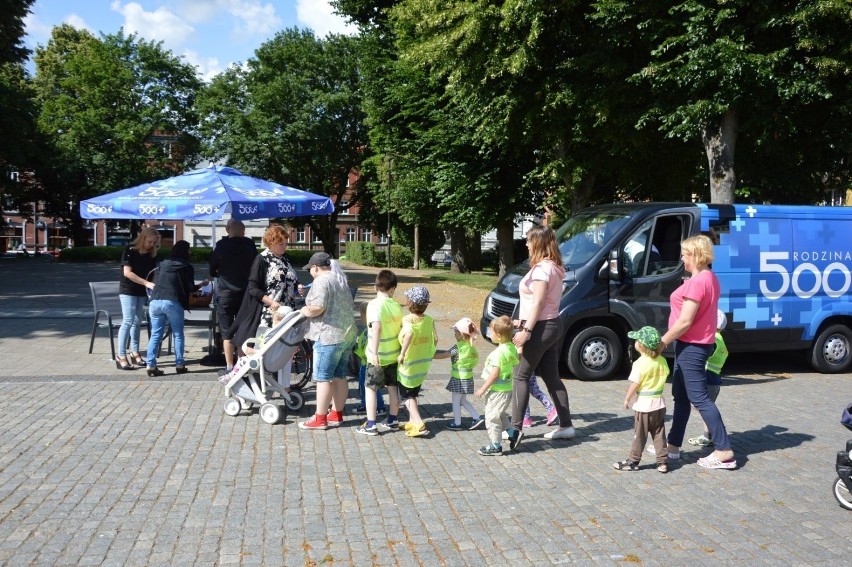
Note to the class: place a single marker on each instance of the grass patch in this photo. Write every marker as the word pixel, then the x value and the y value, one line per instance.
pixel 477 280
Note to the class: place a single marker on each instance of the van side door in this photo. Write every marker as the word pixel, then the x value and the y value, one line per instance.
pixel 651 269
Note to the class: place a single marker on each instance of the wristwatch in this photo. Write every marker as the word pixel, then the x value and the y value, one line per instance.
pixel 527 329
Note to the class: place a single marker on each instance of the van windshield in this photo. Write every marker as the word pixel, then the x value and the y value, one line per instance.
pixel 586 233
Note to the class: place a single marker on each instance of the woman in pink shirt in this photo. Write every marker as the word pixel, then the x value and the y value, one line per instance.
pixel 540 334
pixel 692 327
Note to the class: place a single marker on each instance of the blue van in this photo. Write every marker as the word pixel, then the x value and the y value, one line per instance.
pixel 784 273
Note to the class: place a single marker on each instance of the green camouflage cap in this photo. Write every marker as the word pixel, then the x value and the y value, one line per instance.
pixel 649 337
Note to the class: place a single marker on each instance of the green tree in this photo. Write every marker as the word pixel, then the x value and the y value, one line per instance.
pixel 721 70
pixel 17 119
pixel 116 111
pixel 293 115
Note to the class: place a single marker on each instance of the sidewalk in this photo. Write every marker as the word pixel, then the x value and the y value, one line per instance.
pixel 106 467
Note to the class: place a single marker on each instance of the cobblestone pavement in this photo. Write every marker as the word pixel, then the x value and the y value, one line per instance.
pixel 105 467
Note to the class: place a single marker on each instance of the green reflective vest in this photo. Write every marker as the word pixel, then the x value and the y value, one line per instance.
pixel 389 313
pixel 468 358
pixel 504 357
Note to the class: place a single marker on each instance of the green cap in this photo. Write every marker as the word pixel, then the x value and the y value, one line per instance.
pixel 649 337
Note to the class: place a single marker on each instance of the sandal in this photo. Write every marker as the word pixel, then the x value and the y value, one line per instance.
pixel 626 465
pixel 123 364
pixel 663 468
pixel 136 358
pixel 700 441
pixel 711 462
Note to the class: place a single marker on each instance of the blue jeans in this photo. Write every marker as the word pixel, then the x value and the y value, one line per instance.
pixel 162 310
pixel 132 315
pixel 689 388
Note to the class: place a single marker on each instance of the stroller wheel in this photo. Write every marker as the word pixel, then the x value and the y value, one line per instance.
pixel 841 493
pixel 270 413
pixel 232 407
pixel 294 401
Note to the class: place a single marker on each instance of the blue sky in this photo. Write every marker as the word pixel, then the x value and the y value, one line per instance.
pixel 210 34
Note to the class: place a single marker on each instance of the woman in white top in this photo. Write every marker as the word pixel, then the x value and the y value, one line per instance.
pixel 539 337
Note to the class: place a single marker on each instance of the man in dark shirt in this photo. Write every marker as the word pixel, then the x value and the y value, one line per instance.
pixel 231 262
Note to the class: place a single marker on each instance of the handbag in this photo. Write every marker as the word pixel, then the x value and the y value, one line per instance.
pixel 199 300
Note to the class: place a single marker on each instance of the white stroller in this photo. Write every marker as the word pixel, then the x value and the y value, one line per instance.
pixel 256 381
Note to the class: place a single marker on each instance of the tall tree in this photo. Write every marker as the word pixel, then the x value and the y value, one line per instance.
pixel 116 110
pixel 17 119
pixel 294 115
pixel 719 70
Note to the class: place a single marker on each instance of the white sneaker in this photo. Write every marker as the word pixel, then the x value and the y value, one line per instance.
pixel 561 433
pixel 505 435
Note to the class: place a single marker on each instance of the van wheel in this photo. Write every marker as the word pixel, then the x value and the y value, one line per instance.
pixel 595 354
pixel 832 350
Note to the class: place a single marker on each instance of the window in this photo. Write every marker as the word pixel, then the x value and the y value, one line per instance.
pixel 383 239
pixel 351 234
pixel 316 236
pixel 300 234
pixel 344 207
pixel 367 235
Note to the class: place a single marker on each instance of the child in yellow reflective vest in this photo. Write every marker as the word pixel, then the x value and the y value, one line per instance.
pixel 497 387
pixel 647 382
pixel 714 375
pixel 418 339
pixel 463 359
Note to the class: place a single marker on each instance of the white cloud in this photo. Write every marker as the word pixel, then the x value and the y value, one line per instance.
pixel 208 67
pixel 319 16
pixel 159 25
pixel 255 19
pixel 38 31
pixel 200 11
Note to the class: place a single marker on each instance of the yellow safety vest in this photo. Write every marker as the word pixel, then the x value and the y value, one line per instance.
pixel 467 360
pixel 418 358
pixel 390 317
pixel 504 357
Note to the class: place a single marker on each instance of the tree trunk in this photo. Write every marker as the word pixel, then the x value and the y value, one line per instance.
pixel 474 250
pixel 458 251
pixel 505 246
pixel 416 246
pixel 720 142
pixel 582 193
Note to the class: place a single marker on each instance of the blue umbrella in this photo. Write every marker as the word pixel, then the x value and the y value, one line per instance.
pixel 206 194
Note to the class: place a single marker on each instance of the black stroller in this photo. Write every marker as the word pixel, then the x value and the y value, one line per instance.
pixel 843 466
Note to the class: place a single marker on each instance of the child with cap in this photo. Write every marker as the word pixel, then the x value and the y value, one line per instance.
pixel 647 381
pixel 463 358
pixel 418 339
pixel 714 375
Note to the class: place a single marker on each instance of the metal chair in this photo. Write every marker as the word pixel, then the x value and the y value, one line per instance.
pixel 107 304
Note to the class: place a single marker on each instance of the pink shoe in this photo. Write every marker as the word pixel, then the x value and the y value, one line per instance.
pixel 551 417
pixel 527 422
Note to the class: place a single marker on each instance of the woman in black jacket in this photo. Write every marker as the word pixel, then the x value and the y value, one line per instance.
pixel 175 282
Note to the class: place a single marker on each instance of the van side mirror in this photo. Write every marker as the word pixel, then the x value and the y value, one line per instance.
pixel 614 272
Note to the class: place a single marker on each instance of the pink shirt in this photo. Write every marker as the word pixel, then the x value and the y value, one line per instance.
pixel 704 289
pixel 548 272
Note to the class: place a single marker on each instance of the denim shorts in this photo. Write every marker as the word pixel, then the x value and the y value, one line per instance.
pixel 331 361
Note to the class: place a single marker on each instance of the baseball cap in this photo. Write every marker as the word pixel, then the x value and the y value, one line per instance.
pixel 649 337
pixel 321 259
pixel 418 294
pixel 465 326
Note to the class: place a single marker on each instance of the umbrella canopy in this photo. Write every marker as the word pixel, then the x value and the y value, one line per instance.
pixel 206 194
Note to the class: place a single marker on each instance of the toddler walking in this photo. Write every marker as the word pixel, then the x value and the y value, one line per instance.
pixel 463 359
pixel 418 339
pixel 497 387
pixel 647 381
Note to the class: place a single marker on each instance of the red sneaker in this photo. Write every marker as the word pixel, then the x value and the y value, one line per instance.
pixel 335 418
pixel 316 422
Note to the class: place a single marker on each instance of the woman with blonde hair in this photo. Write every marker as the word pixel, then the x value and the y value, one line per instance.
pixel 692 329
pixel 540 334
pixel 136 263
pixel 272 283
